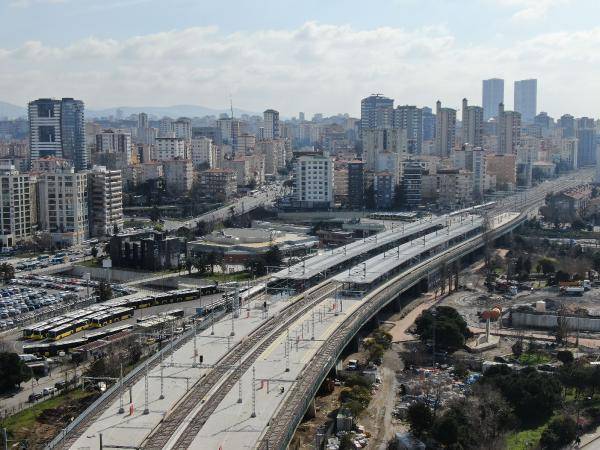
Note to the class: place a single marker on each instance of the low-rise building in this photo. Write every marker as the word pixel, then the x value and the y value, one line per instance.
pixel 239 245
pixel 148 250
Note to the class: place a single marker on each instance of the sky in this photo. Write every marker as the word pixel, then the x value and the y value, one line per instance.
pixel 310 55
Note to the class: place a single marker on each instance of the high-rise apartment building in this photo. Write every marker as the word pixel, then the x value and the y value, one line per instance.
pixel 356 184
pixel 428 124
pixel 219 184
pixel 113 147
pixel 63 206
pixel 472 124
pixel 509 131
pixel 105 201
pixel 165 127
pixel 376 111
pixel 271 128
pixel 445 130
pixel 170 148
pixel 567 124
pixel 526 99
pixel 56 128
pixel 203 152
pixel 17 205
pixel 313 181
pixel 182 128
pixel 586 142
pixel 410 118
pixel 493 95
pixel 179 175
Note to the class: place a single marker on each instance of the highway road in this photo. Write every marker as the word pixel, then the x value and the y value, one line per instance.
pixel 262 198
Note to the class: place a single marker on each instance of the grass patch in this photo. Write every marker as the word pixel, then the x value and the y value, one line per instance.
pixel 225 277
pixel 526 439
pixel 89 263
pixel 27 418
pixel 532 359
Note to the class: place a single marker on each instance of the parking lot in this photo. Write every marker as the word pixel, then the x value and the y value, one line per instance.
pixel 34 297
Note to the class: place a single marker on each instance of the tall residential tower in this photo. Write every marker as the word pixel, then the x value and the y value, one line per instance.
pixel 493 95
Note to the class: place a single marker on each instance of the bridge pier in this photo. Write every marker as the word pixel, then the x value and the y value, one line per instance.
pixel 311 411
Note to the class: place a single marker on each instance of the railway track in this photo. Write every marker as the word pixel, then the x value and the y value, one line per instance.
pixel 263 337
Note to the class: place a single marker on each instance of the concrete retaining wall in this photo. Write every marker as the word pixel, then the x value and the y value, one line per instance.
pixel 550 321
pixel 116 275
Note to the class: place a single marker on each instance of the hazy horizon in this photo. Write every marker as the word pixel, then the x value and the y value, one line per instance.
pixel 309 57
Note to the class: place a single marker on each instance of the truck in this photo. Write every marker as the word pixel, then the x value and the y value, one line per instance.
pixel 573 291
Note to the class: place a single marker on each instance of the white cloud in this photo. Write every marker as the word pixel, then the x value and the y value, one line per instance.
pixel 28 3
pixel 531 10
pixel 315 67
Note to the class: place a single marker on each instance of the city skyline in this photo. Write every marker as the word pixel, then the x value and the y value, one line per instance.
pixel 294 64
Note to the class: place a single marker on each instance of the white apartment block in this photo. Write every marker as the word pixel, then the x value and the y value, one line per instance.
pixel 170 148
pixel 63 206
pixel 203 151
pixel 313 181
pixel 106 201
pixel 17 205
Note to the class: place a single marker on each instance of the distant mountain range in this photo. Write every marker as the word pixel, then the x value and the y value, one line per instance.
pixel 8 110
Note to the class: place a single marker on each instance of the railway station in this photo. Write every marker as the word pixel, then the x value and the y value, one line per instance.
pixel 367 275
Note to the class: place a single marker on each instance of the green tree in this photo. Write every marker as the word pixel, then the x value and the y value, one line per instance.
pixel 7 272
pixel 155 214
pixel 273 257
pixel 256 266
pixel 565 356
pixel 546 266
pixel 446 430
pixel 533 396
pixel 420 418
pixel 94 251
pixel 448 326
pixel 560 432
pixel 103 291
pixel 13 372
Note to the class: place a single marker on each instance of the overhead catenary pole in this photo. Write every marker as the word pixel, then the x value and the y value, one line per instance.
pixel 146 410
pixel 121 409
pixel 253 392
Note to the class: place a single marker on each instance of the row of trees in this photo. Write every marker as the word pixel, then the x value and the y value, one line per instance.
pixel 205 262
